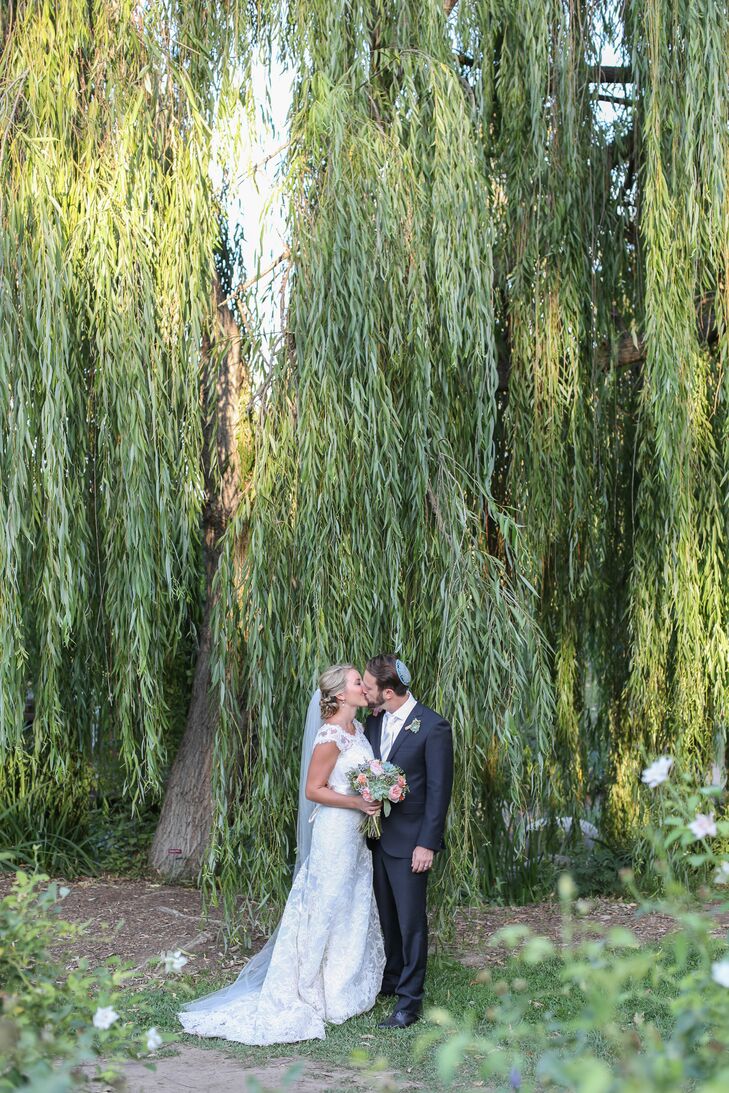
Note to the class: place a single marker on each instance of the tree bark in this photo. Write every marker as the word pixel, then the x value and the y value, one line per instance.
pixel 184 825
pixel 632 349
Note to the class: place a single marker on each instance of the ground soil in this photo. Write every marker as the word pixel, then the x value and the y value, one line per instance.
pixel 209 1070
pixel 137 920
pixel 476 926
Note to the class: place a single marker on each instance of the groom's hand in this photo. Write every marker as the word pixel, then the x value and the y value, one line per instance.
pixel 422 859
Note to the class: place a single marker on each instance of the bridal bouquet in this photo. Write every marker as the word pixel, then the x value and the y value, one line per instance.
pixel 378 780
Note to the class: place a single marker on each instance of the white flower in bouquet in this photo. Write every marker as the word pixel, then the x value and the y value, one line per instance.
pixel 658 771
pixel 105 1017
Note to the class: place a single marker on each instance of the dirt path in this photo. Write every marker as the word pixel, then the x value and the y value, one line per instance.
pixel 209 1070
pixel 136 920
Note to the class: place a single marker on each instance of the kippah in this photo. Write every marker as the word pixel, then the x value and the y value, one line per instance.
pixel 403 673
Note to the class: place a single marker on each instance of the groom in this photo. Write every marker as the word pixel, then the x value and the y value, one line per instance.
pixel 420 742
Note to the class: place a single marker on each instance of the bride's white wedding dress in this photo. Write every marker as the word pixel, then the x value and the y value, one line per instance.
pixel 328 957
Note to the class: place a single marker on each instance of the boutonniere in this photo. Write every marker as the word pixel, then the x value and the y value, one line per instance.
pixel 414 725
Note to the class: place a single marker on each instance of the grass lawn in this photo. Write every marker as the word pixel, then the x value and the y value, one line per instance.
pixel 359 1042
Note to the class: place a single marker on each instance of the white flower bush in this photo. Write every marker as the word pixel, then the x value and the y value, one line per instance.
pixel 105 1017
pixel 658 771
pixel 720 972
pixel 609 973
pixel 703 827
pixel 173 961
pixel 154 1040
pixel 54 1018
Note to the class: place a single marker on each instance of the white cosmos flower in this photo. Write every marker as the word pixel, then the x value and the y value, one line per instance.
pixel 105 1017
pixel 658 771
pixel 720 972
pixel 721 876
pixel 154 1040
pixel 174 961
pixel 703 826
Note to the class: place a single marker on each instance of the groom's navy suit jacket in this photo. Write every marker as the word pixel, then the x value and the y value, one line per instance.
pixel 426 757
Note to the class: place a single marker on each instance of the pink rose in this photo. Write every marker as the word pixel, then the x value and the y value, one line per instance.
pixel 395 793
pixel 367 796
pixel 401 781
pixel 362 779
pixel 376 766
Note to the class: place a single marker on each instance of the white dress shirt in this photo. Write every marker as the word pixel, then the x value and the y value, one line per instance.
pixel 392 724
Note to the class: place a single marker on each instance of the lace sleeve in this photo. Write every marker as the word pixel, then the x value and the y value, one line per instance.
pixel 334 734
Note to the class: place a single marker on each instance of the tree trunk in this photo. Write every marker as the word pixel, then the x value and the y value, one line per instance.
pixel 184 825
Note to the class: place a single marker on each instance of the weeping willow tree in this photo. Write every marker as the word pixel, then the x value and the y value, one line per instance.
pixel 614 301
pixel 373 524
pixel 503 371
pixel 677 684
pixel 493 437
pixel 111 488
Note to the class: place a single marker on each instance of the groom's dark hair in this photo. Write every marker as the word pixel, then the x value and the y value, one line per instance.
pixel 383 669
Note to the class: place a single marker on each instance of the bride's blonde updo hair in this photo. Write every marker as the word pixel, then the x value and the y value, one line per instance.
pixel 332 680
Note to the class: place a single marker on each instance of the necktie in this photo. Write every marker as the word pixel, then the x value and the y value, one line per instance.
pixel 389 732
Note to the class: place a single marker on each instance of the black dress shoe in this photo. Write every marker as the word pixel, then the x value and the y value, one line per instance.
pixel 399 1019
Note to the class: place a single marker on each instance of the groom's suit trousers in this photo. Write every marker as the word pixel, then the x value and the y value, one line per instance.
pixel 401 902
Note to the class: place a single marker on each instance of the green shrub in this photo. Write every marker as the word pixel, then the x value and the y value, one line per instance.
pixel 52 1019
pixel 67 826
pixel 640 1019
pixel 121 837
pixel 44 816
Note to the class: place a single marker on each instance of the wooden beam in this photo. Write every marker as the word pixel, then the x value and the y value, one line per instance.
pixel 596 74
pixel 610 74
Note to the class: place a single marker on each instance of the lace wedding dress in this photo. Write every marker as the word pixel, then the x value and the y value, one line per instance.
pixel 327 960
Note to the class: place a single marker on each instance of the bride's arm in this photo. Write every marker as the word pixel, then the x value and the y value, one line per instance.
pixel 321 766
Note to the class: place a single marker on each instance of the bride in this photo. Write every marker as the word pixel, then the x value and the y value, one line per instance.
pixel 324 962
